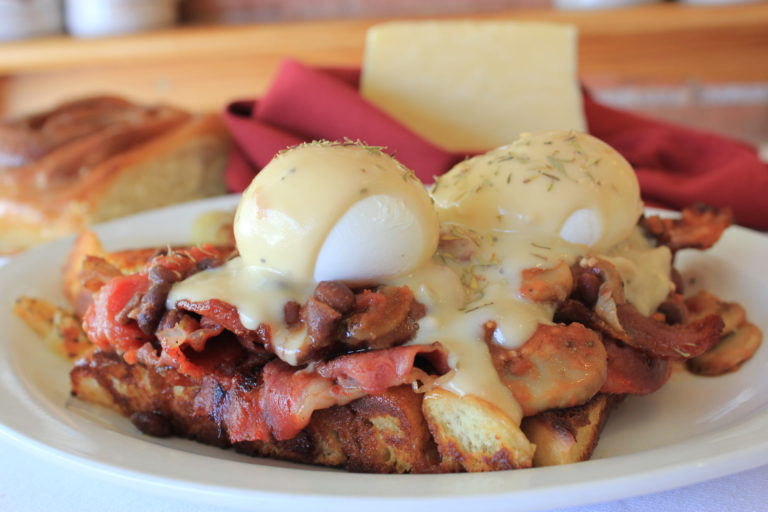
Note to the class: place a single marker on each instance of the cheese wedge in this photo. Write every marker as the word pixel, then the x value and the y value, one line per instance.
pixel 467 85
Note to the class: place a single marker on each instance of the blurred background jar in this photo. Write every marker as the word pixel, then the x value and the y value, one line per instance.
pixel 95 18
pixel 598 4
pixel 20 19
pixel 251 11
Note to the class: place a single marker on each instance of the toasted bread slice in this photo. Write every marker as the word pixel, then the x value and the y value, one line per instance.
pixel 475 435
pixel 563 436
pixel 59 329
pixel 399 431
pixel 383 433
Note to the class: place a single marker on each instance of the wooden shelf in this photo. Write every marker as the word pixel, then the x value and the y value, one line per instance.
pixel 203 67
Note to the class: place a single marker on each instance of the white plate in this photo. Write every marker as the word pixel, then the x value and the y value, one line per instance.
pixel 693 429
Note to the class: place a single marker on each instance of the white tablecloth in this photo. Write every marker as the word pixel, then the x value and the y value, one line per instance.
pixel 31 482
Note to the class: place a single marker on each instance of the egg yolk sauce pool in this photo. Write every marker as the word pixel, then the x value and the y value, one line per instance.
pixel 351 213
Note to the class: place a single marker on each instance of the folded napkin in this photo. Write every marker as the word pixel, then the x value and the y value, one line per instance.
pixel 676 166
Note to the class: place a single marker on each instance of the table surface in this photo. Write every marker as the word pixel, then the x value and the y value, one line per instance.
pixel 202 68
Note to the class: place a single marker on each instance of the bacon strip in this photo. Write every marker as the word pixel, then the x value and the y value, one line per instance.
pixel 288 396
pixel 226 315
pixel 110 320
pixel 184 331
pixel 668 341
pixel 101 324
pixel 614 316
pixel 633 371
pixel 700 227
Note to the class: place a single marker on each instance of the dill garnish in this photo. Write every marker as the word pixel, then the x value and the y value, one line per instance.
pixel 557 163
pixel 477 307
pixel 502 158
pixel 376 150
pixel 486 183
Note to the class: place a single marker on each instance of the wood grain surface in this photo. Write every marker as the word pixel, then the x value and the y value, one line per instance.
pixel 204 67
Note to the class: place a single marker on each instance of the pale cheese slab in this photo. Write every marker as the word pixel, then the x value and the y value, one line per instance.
pixel 474 85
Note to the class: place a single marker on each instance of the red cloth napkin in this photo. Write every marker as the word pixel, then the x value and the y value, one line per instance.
pixel 676 166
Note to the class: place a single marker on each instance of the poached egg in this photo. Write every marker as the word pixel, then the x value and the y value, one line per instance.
pixel 563 183
pixel 336 211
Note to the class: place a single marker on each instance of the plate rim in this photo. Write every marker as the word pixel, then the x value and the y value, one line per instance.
pixel 648 480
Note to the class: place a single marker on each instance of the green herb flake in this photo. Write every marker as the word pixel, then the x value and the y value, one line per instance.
pixel 477 307
pixel 550 176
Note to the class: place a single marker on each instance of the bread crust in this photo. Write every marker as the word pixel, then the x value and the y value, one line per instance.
pixel 383 433
pixel 564 436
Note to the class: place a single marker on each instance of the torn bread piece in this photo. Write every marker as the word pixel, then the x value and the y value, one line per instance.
pixel 564 436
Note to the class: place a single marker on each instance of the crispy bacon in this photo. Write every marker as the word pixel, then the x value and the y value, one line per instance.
pixel 186 331
pixel 101 320
pixel 183 343
pixel 633 371
pixel 375 371
pixel 669 341
pixel 700 227
pixel 287 399
pixel 615 317
pixel 109 319
pixel 226 315
pixel 283 403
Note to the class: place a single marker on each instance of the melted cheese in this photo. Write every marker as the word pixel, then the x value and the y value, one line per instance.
pixel 645 271
pixel 258 294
